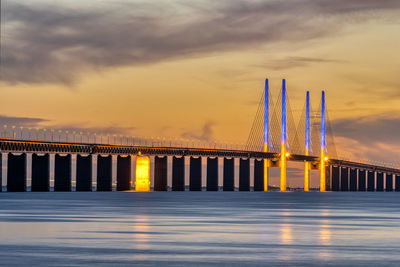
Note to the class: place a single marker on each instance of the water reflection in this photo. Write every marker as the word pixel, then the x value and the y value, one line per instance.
pixel 141 234
pixel 189 229
pixel 324 236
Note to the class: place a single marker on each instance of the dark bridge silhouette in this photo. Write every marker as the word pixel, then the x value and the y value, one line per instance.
pixel 89 165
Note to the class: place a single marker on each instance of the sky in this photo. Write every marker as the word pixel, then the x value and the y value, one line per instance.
pixel 195 69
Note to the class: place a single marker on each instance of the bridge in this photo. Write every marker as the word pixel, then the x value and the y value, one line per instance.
pixel 50 161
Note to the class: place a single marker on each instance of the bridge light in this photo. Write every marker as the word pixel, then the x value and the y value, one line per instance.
pixel 326 158
pixel 287 154
pixel 142 181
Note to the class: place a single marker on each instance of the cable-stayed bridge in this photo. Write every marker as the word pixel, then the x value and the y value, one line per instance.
pixel 36 159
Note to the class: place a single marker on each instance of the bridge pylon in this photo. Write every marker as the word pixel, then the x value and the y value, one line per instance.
pixel 307 166
pixel 266 134
pixel 322 182
pixel 283 139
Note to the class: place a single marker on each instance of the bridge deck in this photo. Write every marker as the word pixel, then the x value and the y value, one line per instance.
pixel 33 146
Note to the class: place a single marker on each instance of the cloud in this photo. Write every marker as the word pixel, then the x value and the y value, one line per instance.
pixel 206 133
pixel 21 121
pixel 47 43
pixel 293 62
pixel 374 139
pixel 32 123
pixel 369 129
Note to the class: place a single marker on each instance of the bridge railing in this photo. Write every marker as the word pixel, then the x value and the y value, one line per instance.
pixel 72 136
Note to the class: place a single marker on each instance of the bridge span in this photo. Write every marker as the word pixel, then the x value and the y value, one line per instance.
pixel 274 140
pixel 170 168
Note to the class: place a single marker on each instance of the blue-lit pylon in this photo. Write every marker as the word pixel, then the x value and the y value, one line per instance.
pixel 322 182
pixel 266 133
pixel 307 166
pixel 283 138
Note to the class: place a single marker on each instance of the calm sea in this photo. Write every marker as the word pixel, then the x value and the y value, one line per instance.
pixel 200 228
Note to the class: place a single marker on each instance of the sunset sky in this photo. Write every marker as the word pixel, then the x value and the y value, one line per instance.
pixel 195 69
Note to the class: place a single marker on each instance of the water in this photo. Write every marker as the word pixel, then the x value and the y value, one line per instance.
pixel 200 228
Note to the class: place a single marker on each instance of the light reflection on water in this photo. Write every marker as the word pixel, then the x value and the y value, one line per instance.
pixel 200 228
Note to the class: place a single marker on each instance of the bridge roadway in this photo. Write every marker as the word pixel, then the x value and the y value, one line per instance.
pixel 33 146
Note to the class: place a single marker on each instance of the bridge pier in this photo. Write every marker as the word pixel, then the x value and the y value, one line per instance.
pixel 244 175
pixel 178 174
pixel 40 173
pixel 397 183
pixel 229 170
pixel 62 173
pixel 379 182
pixel 152 172
pixel 186 167
pixel 370 180
pixel 93 185
pixel 251 171
pixel 52 167
pixel 104 173
pixel 236 179
pixel 259 175
pixel 335 178
pixel 28 172
pixel 203 173
pixel 73 172
pixel 389 182
pixel 169 173
pixel 83 173
pixel 344 179
pixel 16 173
pixel 160 173
pixel 353 179
pixel 220 174
pixel 195 174
pixel 124 173
pixel 141 173
pixel 3 184
pixel 361 180
pixel 212 174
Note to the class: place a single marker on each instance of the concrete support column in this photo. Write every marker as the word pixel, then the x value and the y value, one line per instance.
pixel 195 174
pixel 251 174
pixel 62 173
pixel 220 173
pixel 133 172
pixel 114 173
pixel 259 175
pixel 389 182
pixel 152 169
pixel 203 173
pixel 362 180
pixel 212 174
pixel 28 172
pixel 379 182
pixel 161 173
pixel 236 174
pixel 94 173
pixel 187 172
pixel 169 173
pixel 52 172
pixel 397 183
pixel 73 172
pixel 335 178
pixel 3 178
pixel 244 175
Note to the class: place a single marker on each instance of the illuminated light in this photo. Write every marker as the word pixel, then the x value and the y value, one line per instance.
pixel 266 134
pixel 326 158
pixel 287 154
pixel 142 181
